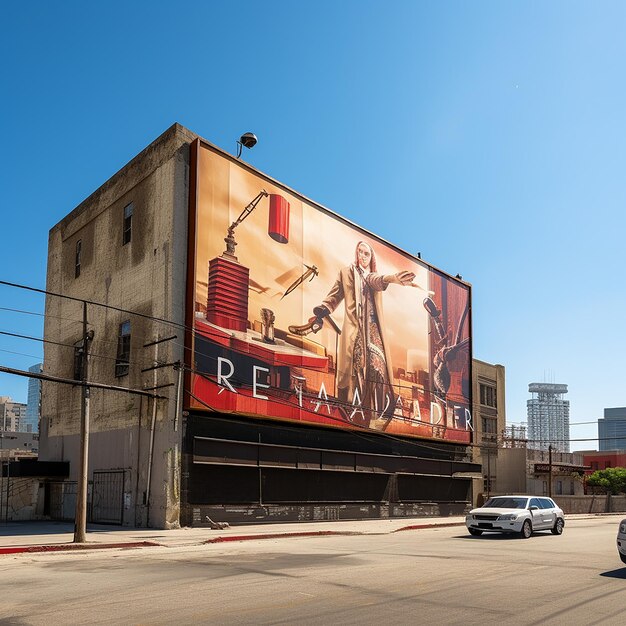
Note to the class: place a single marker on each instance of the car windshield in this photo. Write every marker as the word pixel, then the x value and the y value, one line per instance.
pixel 506 503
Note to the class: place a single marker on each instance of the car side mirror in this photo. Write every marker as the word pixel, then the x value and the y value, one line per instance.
pixel 533 508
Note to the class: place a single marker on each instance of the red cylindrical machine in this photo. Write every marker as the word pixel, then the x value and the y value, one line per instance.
pixel 278 228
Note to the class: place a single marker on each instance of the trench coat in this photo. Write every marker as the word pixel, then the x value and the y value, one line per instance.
pixel 348 290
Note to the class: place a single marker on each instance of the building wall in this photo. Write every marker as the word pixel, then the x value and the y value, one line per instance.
pixel 567 479
pixel 146 276
pixel 517 473
pixel 612 429
pixel 14 444
pixel 12 414
pixel 489 418
pixel 511 471
pixel 23 499
pixel 604 459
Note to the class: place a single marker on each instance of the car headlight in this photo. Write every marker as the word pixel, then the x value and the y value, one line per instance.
pixel 622 528
pixel 507 517
pixel 469 517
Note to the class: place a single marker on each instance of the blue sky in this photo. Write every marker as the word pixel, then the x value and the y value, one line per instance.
pixel 486 135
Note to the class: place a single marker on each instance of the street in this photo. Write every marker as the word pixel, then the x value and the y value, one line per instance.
pixel 430 576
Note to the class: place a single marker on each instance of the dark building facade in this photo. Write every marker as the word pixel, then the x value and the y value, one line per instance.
pixel 612 429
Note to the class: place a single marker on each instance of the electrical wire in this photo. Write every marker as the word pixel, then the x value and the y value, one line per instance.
pixel 195 333
pixel 430 392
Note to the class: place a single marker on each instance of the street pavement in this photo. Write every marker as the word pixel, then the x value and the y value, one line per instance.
pixel 47 536
pixel 439 575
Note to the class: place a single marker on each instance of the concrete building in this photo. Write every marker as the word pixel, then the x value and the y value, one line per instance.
pixel 125 246
pixel 603 459
pixel 612 429
pixel 524 470
pixel 489 414
pixel 33 404
pixel 18 445
pixel 122 258
pixel 548 417
pixel 12 414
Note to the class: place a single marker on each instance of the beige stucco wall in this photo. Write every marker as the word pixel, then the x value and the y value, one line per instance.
pixel 23 501
pixel 487 456
pixel 145 276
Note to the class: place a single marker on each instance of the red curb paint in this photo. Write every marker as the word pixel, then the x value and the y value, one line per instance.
pixel 75 546
pixel 316 533
pixel 438 525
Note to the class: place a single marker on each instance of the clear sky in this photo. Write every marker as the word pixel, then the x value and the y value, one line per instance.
pixel 489 136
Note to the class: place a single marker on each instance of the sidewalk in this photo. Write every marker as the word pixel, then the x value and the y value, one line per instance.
pixel 45 536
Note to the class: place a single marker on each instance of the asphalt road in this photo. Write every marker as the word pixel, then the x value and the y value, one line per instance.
pixel 437 576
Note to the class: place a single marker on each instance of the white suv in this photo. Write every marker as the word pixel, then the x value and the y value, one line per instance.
pixel 621 540
pixel 516 514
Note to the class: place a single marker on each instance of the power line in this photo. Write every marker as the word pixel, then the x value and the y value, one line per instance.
pixel 195 333
pixel 79 383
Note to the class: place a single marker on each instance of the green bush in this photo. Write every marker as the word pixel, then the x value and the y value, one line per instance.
pixel 611 479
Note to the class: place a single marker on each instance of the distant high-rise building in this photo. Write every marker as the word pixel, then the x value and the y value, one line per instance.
pixel 12 414
pixel 33 406
pixel 548 417
pixel 612 429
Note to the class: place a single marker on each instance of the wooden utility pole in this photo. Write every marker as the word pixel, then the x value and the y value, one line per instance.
pixel 550 470
pixel 488 473
pixel 80 523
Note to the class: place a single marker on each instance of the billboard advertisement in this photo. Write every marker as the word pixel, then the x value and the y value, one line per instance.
pixel 299 315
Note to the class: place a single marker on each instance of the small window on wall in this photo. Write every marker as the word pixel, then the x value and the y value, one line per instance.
pixel 77 258
pixel 123 350
pixel 488 396
pixel 128 223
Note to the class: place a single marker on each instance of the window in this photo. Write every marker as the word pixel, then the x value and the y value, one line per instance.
pixel 488 396
pixel 123 350
pixel 77 258
pixel 128 223
pixel 489 424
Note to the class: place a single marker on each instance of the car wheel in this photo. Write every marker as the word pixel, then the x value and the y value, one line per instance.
pixel 475 532
pixel 527 530
pixel 557 529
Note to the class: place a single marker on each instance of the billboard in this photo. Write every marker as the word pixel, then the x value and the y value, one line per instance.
pixel 299 315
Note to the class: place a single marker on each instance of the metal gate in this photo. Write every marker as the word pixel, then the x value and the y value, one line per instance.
pixel 107 505
pixel 61 500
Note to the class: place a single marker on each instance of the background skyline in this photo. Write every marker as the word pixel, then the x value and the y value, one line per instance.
pixel 487 136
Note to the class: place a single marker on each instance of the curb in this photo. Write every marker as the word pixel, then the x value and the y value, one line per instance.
pixel 63 547
pixel 310 533
pixel 436 525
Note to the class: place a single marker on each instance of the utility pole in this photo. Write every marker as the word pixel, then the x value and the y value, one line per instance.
pixel 550 470
pixel 488 471
pixel 80 523
pixel 4 436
